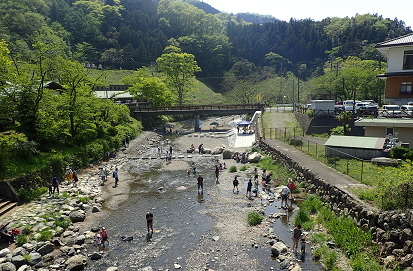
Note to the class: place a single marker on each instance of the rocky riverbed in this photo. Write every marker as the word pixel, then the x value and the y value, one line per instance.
pixel 193 231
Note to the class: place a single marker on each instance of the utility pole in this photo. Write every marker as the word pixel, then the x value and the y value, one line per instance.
pixel 293 97
pixel 281 82
pixel 298 89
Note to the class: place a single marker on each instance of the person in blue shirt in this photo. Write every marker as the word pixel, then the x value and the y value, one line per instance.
pixel 115 175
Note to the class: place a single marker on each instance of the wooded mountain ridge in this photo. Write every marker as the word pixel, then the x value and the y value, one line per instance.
pixel 134 33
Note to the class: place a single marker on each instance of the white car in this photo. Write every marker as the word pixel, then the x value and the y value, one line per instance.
pixel 407 110
pixel 391 111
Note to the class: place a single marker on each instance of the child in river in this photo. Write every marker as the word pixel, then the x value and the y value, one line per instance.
pixel 99 241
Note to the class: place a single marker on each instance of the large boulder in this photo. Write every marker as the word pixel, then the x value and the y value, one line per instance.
pixel 4 252
pixel 80 240
pixel 254 157
pixel 77 262
pixel 7 267
pixel 19 251
pixel 218 150
pixel 77 216
pixel 46 248
pixel 35 258
pixel 227 154
pixel 18 260
pixel 96 256
pixel 278 248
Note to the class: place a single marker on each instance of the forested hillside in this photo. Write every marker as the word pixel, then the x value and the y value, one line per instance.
pixel 133 33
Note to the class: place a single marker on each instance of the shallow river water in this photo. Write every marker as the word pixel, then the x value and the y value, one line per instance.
pixel 179 222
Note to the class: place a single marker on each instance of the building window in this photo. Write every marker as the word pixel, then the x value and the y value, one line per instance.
pixel 406 88
pixel 408 60
pixel 389 131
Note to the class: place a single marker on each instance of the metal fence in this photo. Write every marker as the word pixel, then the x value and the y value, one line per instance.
pixel 342 162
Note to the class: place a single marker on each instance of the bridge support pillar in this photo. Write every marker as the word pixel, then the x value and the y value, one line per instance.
pixel 197 123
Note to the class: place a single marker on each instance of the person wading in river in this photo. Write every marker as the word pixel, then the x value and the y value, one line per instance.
pixel 149 221
pixel 235 183
pixel 200 183
pixel 216 173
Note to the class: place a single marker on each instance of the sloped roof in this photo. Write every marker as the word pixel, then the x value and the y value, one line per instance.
pixel 385 122
pixel 403 40
pixel 359 142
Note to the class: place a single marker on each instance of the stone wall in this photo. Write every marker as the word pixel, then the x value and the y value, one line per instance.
pixel 391 230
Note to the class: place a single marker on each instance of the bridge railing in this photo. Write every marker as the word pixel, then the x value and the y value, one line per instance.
pixel 195 108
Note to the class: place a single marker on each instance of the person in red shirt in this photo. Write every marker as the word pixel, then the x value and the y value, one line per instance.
pixel 104 236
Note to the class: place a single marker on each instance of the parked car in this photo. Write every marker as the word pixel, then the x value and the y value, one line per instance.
pixel 358 105
pixel 368 110
pixel 368 101
pixel 407 110
pixel 391 111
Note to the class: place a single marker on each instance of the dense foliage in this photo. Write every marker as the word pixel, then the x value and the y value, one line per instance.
pixel 134 33
pixel 39 119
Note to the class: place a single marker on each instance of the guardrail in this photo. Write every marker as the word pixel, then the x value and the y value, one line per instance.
pixel 195 108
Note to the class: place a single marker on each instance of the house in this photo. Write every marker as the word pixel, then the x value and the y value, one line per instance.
pixel 357 146
pixel 382 127
pixel 399 73
pixel 120 95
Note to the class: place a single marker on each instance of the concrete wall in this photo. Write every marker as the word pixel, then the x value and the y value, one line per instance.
pixel 405 134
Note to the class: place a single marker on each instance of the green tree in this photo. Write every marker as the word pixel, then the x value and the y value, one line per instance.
pixel 179 69
pixel 153 89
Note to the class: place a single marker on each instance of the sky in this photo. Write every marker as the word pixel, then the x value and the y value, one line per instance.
pixel 317 9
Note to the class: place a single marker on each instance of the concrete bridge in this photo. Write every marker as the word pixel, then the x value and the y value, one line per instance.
pixel 140 113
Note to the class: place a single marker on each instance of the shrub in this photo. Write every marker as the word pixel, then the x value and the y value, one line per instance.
pixel 295 142
pixel 30 194
pixel 339 130
pixel 309 113
pixel 254 149
pixel 398 152
pixel 232 169
pixel 254 218
pixel 243 168
pixel 21 239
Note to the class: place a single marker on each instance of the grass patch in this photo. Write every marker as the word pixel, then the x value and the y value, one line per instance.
pixel 84 199
pixel 243 168
pixel 254 218
pixel 232 169
pixel 62 223
pixel 304 218
pixel 21 239
pixel 319 237
pixel 28 229
pixel 278 170
pixel 45 235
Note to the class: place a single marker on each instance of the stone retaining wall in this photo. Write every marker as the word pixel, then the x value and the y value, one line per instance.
pixel 391 230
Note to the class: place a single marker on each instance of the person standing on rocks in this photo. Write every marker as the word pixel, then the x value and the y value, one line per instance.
pixel 102 175
pixel 55 183
pixel 255 174
pixel 284 196
pixel 170 149
pixel 166 157
pixel 249 187
pixel 200 183
pixel 69 174
pixel 115 175
pixel 200 147
pixel 235 182
pixel 296 237
pixel 216 173
pixel 149 221
pixel 75 178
